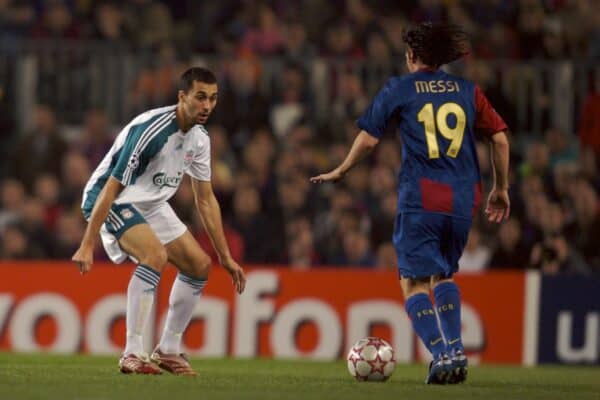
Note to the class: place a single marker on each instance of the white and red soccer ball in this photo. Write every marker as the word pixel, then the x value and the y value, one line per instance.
pixel 371 359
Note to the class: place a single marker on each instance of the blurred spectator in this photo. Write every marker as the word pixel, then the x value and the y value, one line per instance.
pixel 109 22
pixel 75 173
pixel 32 221
pixel 537 161
pixel 156 83
pixel 560 146
pixel 385 256
pixel 296 46
pixel 12 195
pixel 350 100
pixel 260 244
pixel 476 255
pixel 554 255
pixel 265 36
pixel 553 44
pixel 530 28
pixel 589 123
pixel 47 189
pixel 56 22
pixel 510 251
pixel 15 245
pixel 96 138
pixel 301 253
pixel 564 175
pixel 39 151
pixel 223 165
pixel 234 240
pixel 242 108
pixel 7 120
pixel 16 17
pixel 584 230
pixel 589 168
pixel 69 229
pixel 291 103
pixel 383 220
pixel 356 251
pixel 149 22
pixel 363 19
pixel 340 42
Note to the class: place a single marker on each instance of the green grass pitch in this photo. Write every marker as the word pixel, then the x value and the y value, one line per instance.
pixel 38 376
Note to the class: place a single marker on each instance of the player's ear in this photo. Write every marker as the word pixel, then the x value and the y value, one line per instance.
pixel 411 55
pixel 180 95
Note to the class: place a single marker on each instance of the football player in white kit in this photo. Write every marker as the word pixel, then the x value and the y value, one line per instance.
pixel 125 201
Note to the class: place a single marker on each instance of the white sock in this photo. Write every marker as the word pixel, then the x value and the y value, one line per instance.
pixel 184 294
pixel 140 296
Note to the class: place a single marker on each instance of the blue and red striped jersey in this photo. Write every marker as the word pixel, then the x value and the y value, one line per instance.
pixel 437 116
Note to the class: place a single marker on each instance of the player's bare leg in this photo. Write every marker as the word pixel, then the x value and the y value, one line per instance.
pixel 421 312
pixel 193 265
pixel 447 298
pixel 141 242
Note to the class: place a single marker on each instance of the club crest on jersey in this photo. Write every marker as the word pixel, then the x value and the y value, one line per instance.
pixel 134 161
pixel 161 180
pixel 188 158
pixel 126 213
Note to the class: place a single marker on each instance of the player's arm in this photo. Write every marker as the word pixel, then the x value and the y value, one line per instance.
pixel 372 124
pixel 498 205
pixel 84 256
pixel 210 214
pixel 493 126
pixel 363 145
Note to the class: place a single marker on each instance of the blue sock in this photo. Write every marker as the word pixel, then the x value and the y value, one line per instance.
pixel 447 303
pixel 420 310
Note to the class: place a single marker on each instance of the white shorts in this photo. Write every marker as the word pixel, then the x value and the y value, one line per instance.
pixel 162 220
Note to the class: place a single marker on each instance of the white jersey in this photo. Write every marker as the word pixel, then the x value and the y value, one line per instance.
pixel 149 157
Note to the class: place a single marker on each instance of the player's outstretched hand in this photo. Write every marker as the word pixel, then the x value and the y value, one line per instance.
pixel 332 176
pixel 237 274
pixel 84 258
pixel 498 206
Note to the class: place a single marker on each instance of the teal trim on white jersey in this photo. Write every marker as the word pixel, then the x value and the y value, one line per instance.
pixel 149 157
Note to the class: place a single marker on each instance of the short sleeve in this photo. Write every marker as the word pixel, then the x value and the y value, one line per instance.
pixel 487 120
pixel 376 117
pixel 128 159
pixel 199 168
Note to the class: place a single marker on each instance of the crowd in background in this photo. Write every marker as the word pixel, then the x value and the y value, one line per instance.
pixel 506 29
pixel 265 145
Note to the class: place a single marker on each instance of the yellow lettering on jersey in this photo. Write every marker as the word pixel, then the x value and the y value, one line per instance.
pixel 436 86
pixel 437 121
pixel 421 86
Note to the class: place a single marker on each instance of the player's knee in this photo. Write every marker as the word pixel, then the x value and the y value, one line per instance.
pixel 203 266
pixel 156 258
pixel 412 286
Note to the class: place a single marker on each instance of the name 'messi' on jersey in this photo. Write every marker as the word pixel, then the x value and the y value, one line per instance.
pixel 439 86
pixel 149 157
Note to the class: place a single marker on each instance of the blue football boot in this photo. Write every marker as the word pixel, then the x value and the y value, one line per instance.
pixel 440 370
pixel 459 367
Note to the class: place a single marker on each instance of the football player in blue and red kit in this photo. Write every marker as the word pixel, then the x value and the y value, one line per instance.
pixel 439 189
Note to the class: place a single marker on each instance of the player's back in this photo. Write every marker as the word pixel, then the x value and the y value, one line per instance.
pixel 437 114
pixel 440 172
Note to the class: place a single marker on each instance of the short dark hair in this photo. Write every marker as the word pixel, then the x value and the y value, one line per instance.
pixel 195 74
pixel 437 44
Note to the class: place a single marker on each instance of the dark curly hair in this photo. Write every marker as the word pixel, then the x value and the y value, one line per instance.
pixel 437 44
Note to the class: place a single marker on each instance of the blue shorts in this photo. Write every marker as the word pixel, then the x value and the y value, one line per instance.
pixel 429 244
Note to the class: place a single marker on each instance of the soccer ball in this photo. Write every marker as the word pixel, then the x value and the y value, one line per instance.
pixel 371 359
